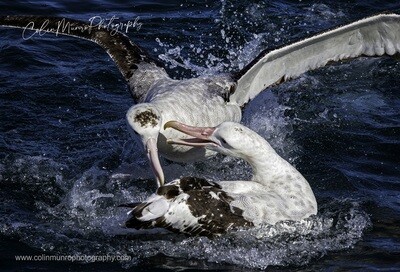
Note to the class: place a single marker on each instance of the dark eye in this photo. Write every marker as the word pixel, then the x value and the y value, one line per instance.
pixel 223 141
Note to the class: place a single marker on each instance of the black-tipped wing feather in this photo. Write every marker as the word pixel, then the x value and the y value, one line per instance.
pixel 126 54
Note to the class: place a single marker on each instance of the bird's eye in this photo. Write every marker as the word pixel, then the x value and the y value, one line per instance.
pixel 223 141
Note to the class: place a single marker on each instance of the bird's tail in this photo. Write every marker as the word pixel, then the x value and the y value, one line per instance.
pixel 147 214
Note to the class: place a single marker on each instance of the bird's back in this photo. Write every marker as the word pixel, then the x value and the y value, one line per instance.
pixel 196 102
pixel 189 205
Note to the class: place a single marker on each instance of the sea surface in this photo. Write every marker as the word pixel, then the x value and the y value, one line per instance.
pixel 67 160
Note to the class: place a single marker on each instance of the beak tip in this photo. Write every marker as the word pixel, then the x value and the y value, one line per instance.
pixel 160 181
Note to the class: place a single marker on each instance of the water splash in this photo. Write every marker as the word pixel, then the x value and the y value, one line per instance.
pixel 87 221
pixel 286 243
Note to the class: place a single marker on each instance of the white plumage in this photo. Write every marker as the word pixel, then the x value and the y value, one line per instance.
pixel 209 101
pixel 196 206
pixel 373 36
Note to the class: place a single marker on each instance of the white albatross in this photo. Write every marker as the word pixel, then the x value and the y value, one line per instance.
pixel 209 101
pixel 195 206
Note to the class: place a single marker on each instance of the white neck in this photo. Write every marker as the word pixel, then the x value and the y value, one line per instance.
pixel 268 167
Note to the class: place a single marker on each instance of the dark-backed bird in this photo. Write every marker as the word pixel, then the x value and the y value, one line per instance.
pixel 211 100
pixel 195 206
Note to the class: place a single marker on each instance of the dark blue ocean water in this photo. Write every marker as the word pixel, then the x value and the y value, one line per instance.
pixel 67 160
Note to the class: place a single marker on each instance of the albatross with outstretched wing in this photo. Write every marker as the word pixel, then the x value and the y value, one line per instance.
pixel 209 101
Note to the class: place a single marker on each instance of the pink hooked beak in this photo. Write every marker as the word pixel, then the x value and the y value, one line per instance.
pixel 152 154
pixel 201 134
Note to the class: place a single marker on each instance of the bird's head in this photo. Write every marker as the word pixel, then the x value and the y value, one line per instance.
pixel 228 138
pixel 144 120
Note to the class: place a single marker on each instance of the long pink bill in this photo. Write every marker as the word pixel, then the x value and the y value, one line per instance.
pixel 152 154
pixel 190 142
pixel 202 133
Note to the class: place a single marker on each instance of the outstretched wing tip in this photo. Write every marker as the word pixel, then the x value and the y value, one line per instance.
pixel 123 51
pixel 127 55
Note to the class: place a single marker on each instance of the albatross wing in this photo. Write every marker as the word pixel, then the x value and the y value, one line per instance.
pixel 373 36
pixel 189 205
pixel 128 56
